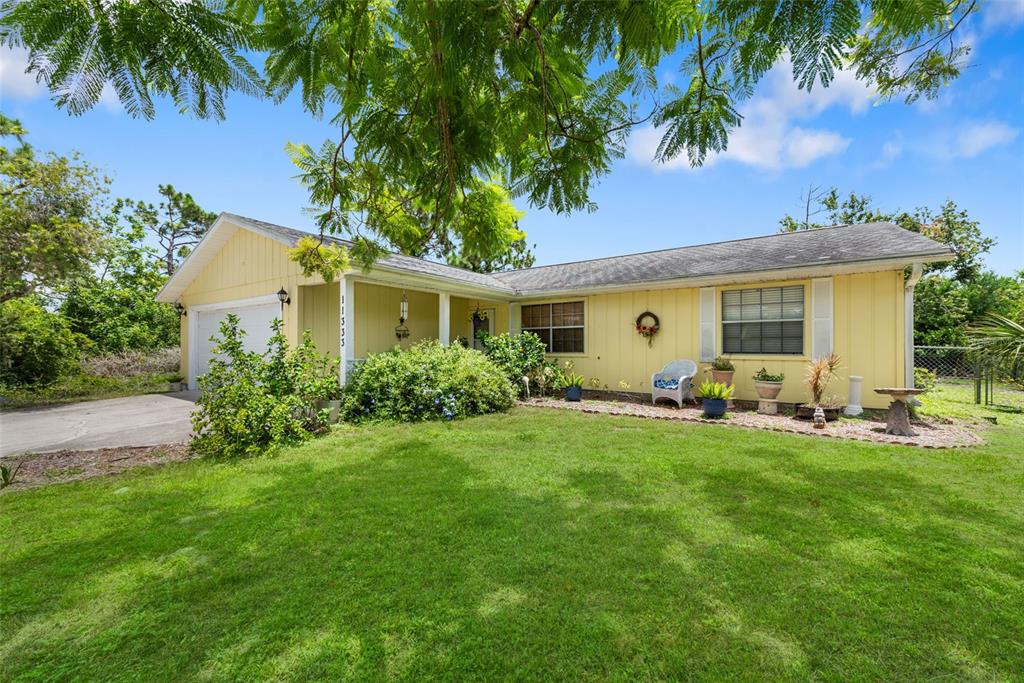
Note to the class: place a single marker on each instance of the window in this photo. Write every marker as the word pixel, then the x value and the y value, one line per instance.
pixel 560 326
pixel 766 320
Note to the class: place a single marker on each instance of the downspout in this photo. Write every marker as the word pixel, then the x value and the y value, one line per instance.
pixel 908 324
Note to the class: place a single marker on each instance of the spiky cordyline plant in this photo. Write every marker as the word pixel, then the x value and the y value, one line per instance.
pixel 820 372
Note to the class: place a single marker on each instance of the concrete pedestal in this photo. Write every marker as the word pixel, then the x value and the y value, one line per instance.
pixel 898 420
pixel 853 406
pixel 768 406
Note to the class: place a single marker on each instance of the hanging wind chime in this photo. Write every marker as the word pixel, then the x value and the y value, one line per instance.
pixel 401 331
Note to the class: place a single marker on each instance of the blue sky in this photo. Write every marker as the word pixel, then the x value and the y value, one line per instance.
pixel 967 146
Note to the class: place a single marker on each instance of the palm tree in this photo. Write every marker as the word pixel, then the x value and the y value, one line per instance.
pixel 999 340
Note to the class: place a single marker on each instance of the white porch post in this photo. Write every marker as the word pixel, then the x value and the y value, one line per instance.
pixel 346 328
pixel 444 317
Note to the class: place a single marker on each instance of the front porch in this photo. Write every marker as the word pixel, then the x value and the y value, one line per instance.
pixel 358 316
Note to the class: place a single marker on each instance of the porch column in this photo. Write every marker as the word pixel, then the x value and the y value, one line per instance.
pixel 346 328
pixel 444 317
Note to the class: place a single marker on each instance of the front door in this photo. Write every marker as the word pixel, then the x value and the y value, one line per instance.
pixel 482 320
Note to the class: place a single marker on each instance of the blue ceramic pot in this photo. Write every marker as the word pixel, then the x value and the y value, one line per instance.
pixel 573 393
pixel 714 407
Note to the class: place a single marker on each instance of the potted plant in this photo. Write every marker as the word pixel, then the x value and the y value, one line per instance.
pixel 573 386
pixel 331 402
pixel 321 384
pixel 768 385
pixel 715 395
pixel 722 370
pixel 820 373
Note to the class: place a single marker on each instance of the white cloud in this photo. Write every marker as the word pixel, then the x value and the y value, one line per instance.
pixel 14 82
pixel 804 146
pixel 979 137
pixel 1002 14
pixel 769 137
pixel 891 151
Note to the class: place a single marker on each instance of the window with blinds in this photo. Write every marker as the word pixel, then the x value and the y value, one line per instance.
pixel 765 320
pixel 560 326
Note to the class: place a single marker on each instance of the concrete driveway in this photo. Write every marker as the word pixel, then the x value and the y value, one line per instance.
pixel 147 420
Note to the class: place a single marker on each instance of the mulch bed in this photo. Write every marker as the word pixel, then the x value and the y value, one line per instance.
pixel 40 469
pixel 929 434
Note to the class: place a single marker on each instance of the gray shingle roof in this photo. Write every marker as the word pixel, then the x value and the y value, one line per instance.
pixel 398 261
pixel 820 247
pixel 823 246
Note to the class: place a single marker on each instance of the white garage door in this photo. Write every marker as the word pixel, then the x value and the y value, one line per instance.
pixel 254 318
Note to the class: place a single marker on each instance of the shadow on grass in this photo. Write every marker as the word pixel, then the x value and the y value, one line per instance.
pixel 421 557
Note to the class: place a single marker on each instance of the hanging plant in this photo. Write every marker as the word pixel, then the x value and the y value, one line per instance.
pixel 647 325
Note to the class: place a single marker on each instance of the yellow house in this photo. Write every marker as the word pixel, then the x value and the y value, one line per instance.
pixel 774 302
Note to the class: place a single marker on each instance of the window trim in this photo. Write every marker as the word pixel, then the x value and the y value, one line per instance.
pixel 550 328
pixel 802 353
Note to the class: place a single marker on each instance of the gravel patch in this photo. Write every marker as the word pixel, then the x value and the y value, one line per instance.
pixel 40 469
pixel 947 434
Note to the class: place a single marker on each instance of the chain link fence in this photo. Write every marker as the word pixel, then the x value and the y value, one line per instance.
pixel 996 386
pixel 947 362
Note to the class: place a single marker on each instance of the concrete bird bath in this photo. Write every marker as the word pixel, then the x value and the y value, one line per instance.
pixel 898 420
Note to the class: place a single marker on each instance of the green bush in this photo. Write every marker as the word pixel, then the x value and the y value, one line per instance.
pixel 251 402
pixel 517 355
pixel 426 382
pixel 36 346
pixel 120 317
pixel 925 378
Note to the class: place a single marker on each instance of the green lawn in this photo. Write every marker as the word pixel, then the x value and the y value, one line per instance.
pixel 536 545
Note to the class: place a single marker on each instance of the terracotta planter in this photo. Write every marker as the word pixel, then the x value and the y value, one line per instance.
pixel 805 411
pixel 722 376
pixel 768 390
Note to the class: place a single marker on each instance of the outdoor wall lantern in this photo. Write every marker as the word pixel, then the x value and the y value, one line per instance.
pixel 401 332
pixel 180 309
pixel 282 296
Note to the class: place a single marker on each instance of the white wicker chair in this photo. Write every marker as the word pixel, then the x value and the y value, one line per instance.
pixel 682 370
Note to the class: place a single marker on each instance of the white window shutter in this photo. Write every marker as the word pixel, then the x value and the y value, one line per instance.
pixel 707 324
pixel 821 317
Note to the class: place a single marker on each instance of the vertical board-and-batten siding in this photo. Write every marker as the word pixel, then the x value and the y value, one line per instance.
pixel 247 266
pixel 320 314
pixel 857 319
pixel 376 316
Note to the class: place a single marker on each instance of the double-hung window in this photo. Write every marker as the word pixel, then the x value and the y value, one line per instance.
pixel 560 326
pixel 764 320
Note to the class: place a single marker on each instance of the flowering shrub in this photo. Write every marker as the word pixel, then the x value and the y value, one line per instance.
pixel 518 356
pixel 426 382
pixel 251 402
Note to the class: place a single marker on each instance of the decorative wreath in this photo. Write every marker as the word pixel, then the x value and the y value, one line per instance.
pixel 647 325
